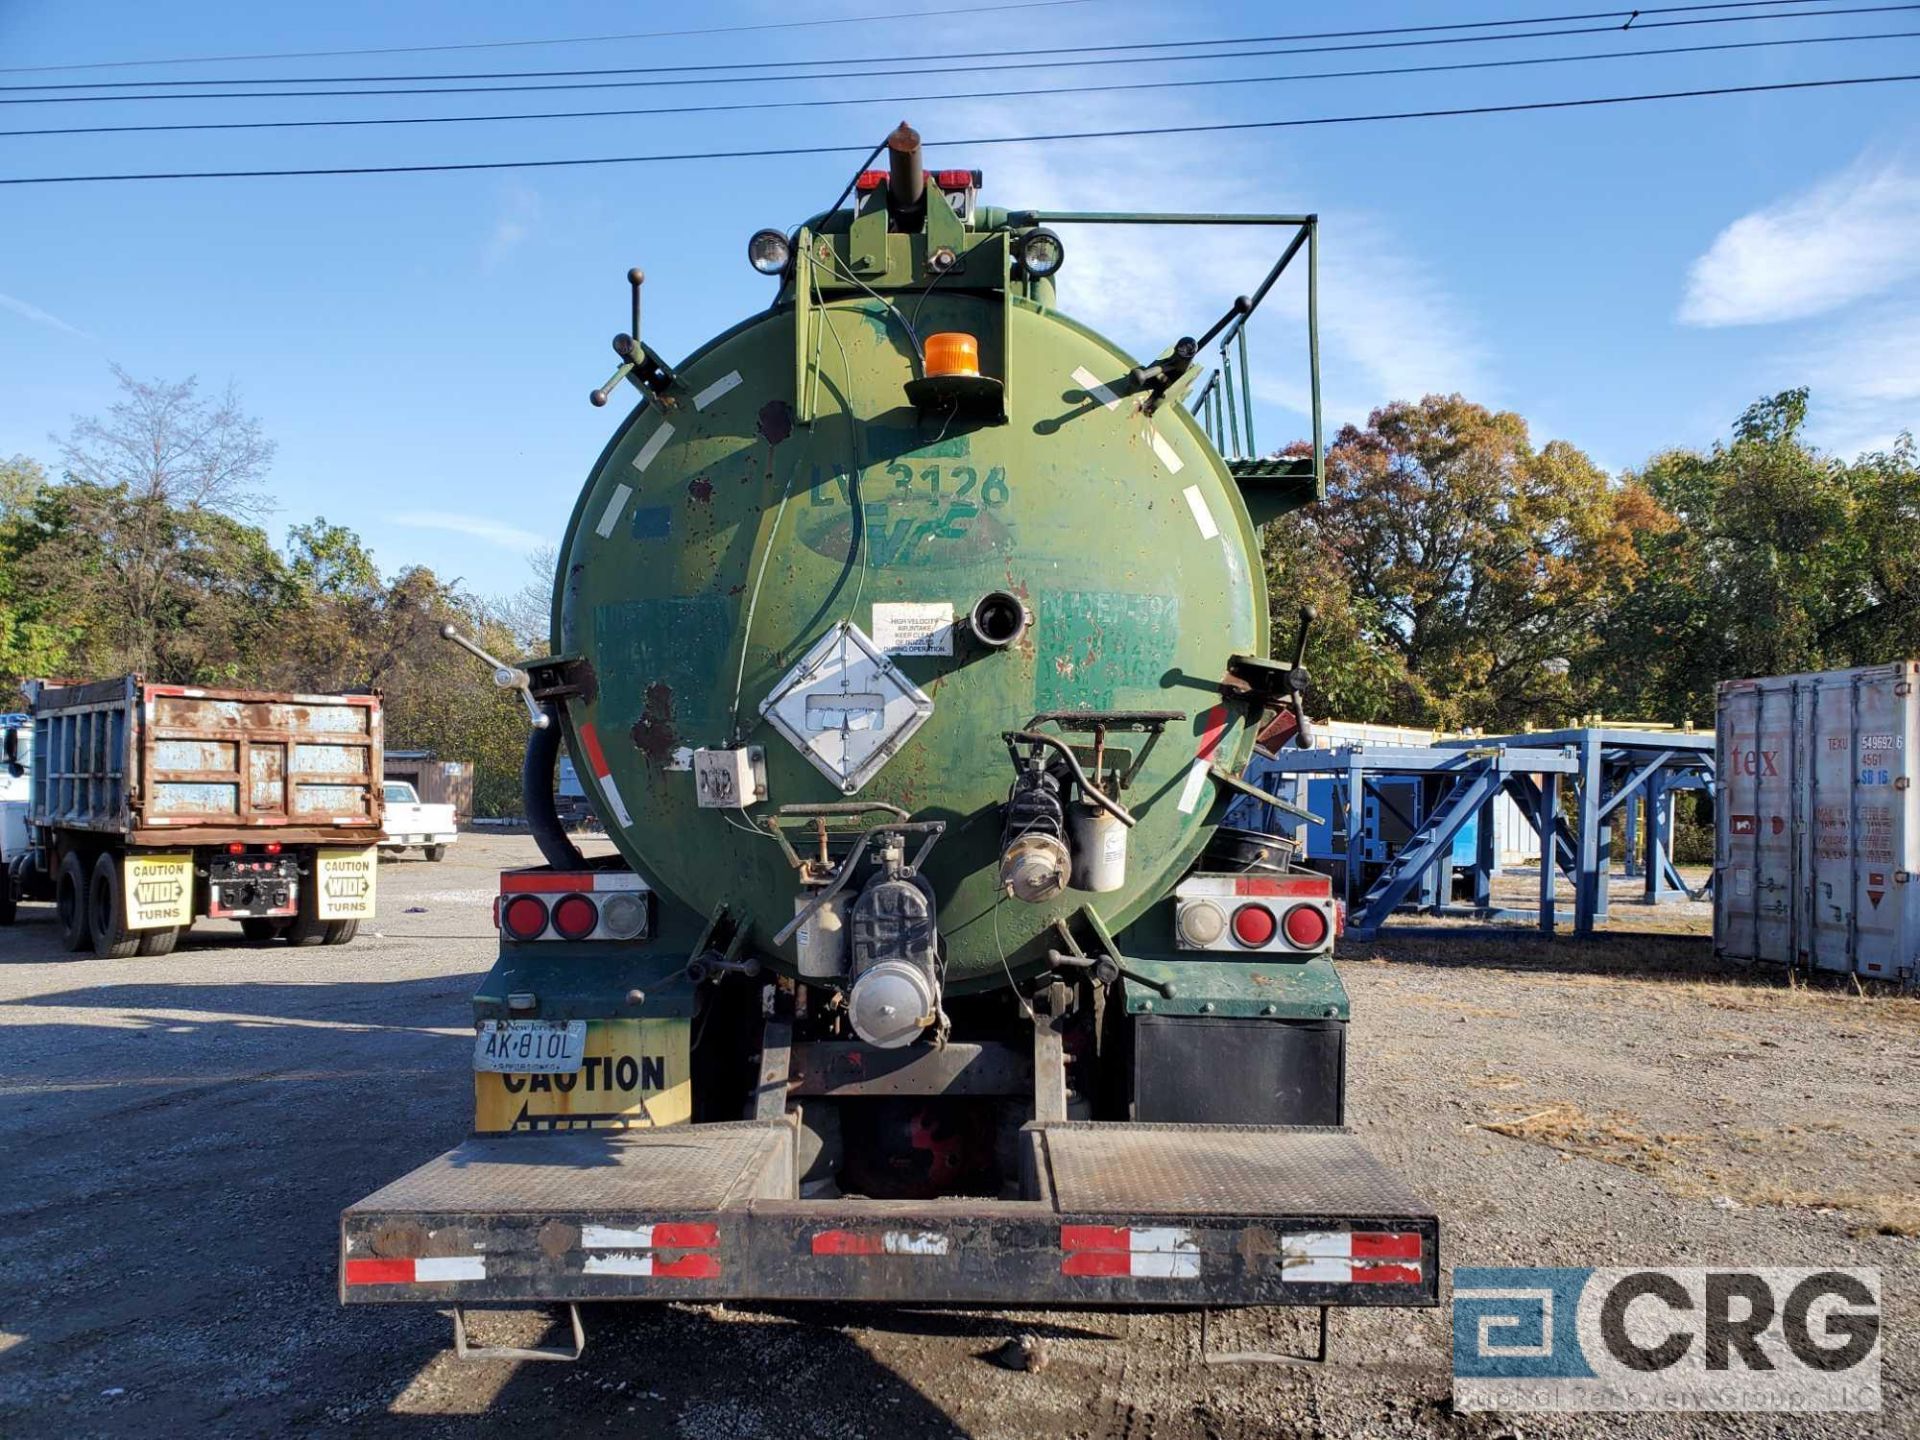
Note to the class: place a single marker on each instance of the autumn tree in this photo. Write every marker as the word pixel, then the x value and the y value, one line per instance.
pixel 1476 564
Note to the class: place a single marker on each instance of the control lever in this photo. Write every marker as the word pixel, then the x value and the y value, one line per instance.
pixel 507 677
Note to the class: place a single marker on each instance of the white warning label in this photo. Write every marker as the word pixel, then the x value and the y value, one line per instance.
pixel 913 627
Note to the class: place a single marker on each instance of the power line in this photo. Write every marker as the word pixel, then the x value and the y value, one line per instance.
pixel 706 73
pixel 1646 53
pixel 561 40
pixel 1145 132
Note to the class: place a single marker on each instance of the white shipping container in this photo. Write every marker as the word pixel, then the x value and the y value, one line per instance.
pixel 1815 824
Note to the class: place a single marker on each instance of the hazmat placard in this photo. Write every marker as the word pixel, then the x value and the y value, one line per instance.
pixel 344 883
pixel 913 627
pixel 159 890
pixel 633 1074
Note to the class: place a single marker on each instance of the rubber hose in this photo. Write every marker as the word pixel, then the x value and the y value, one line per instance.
pixel 536 797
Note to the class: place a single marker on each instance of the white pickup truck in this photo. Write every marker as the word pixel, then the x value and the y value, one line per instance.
pixel 431 827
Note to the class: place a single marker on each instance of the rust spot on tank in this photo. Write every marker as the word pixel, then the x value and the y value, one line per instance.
pixel 653 732
pixel 776 421
pixel 700 488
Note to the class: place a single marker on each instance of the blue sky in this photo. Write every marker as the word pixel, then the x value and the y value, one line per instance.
pixel 421 346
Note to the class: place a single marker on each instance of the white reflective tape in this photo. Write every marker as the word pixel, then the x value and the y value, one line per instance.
pixel 613 1237
pixel 1202 516
pixel 449 1267
pixel 1166 453
pixel 618 1262
pixel 1166 1264
pixel 1083 377
pixel 915 1242
pixel 714 391
pixel 655 443
pixel 1196 782
pixel 1318 1244
pixel 1329 1271
pixel 602 880
pixel 610 517
pixel 1161 1238
pixel 612 792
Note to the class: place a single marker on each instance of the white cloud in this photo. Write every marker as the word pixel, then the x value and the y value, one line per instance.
pixel 42 317
pixel 520 211
pixel 1865 380
pixel 1852 235
pixel 494 532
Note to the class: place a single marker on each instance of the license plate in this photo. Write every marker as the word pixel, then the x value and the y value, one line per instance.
pixel 530 1047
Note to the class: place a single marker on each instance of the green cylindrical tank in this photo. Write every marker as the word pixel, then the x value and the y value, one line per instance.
pixel 725 530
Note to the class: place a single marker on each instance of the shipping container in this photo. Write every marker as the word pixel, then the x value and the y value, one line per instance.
pixel 1815 821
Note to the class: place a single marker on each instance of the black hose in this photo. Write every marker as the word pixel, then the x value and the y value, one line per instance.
pixel 536 797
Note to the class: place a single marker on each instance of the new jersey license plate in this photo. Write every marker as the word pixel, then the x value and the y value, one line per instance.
pixel 530 1047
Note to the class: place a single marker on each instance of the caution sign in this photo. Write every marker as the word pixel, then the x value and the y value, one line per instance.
pixel 634 1074
pixel 159 890
pixel 344 883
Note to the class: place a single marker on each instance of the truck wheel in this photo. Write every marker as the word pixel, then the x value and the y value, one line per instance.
pixel 161 941
pixel 436 852
pixel 70 903
pixel 259 930
pixel 112 940
pixel 339 932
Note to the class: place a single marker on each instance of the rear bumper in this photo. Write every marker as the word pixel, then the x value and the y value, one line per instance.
pixel 1115 1215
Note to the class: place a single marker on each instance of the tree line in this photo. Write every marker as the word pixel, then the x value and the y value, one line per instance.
pixel 1464 575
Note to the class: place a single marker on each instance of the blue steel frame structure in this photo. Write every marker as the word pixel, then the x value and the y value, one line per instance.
pixel 1595 770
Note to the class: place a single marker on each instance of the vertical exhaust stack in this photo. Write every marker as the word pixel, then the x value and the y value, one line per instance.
pixel 907 181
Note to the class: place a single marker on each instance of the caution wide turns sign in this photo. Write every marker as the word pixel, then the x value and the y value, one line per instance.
pixel 159 890
pixel 344 883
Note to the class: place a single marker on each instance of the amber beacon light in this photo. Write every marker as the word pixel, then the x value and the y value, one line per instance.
pixel 952 353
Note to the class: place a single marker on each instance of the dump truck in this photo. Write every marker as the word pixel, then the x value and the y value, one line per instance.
pixel 149 806
pixel 909 639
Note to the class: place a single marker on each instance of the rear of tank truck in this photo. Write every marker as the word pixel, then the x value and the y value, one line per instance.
pixel 828 1091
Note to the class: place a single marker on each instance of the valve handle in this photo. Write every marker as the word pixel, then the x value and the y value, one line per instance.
pixel 507 677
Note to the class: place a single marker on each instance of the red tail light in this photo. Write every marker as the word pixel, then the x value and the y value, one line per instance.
pixel 273 847
pixel 575 917
pixel 1306 927
pixel 1253 925
pixel 524 917
pixel 236 848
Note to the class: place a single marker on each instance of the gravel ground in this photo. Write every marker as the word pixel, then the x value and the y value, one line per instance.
pixel 180 1135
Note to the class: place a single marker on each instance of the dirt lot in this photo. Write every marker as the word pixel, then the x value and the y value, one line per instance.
pixel 180 1135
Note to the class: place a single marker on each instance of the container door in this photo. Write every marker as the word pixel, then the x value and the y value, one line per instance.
pixel 1883 741
pixel 1753 897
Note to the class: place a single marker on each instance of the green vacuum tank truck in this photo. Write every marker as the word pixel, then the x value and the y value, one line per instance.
pixel 910 638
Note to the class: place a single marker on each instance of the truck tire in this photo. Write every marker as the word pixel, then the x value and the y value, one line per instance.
pixel 70 903
pixel 436 852
pixel 339 932
pixel 9 906
pixel 107 911
pixel 161 941
pixel 259 930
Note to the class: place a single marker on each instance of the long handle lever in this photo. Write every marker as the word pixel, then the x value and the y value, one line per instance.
pixel 507 677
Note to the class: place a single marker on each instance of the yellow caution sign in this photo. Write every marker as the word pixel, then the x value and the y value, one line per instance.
pixel 159 890
pixel 634 1074
pixel 344 883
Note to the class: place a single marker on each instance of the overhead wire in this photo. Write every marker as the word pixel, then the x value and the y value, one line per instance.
pixel 704 75
pixel 1519 62
pixel 1141 132
pixel 555 40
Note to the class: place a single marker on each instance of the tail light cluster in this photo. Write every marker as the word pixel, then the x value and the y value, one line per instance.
pixel 573 905
pixel 1289 915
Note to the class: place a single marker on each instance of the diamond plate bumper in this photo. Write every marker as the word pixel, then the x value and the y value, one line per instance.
pixel 1110 1214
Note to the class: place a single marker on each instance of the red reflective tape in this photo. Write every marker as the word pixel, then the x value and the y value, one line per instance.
pixel 683 1234
pixel 687 1267
pixel 847 1242
pixel 1386 1274
pixel 518 882
pixel 596 757
pixel 1095 1237
pixel 1317 886
pixel 1212 726
pixel 379 1272
pixel 1097 1262
pixel 1385 1245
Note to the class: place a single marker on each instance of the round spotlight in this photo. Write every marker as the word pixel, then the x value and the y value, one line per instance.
pixel 624 914
pixel 768 252
pixel 1039 253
